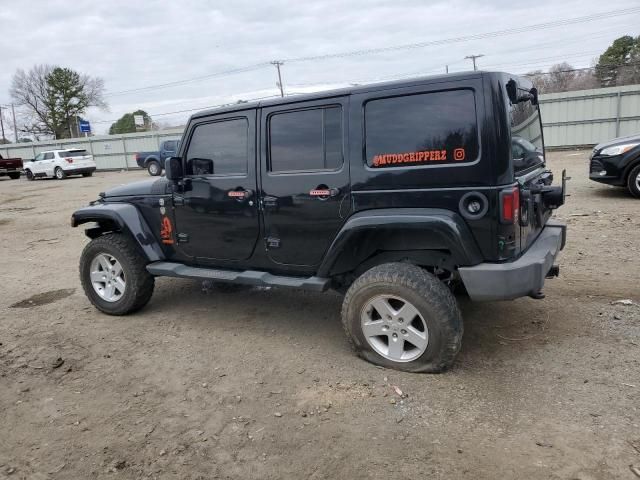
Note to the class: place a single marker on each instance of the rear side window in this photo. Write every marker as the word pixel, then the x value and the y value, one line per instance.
pixel 306 140
pixel 426 129
pixel 219 148
pixel 48 156
pixel 74 153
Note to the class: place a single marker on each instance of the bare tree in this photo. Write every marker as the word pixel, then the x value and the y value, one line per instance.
pixel 52 97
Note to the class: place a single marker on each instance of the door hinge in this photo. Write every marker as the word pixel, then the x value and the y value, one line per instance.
pixel 273 242
pixel 183 237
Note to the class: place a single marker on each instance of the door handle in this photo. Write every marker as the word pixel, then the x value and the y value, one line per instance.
pixel 240 194
pixel 269 202
pixel 323 192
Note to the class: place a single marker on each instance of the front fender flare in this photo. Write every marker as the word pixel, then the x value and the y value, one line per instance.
pixel 403 230
pixel 121 217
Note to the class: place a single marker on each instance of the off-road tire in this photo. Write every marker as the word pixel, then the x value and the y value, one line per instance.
pixel 29 175
pixel 632 181
pixel 14 176
pixel 139 282
pixel 429 295
pixel 154 168
pixel 59 173
pixel 87 174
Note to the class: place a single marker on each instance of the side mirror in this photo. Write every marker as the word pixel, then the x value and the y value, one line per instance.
pixel 173 168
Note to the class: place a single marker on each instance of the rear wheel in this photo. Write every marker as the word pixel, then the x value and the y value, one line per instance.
pixel 114 276
pixel 29 174
pixel 59 173
pixel 633 182
pixel 154 168
pixel 14 176
pixel 400 316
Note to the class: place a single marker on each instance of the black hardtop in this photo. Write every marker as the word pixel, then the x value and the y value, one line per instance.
pixel 292 99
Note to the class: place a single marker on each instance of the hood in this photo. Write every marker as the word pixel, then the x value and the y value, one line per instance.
pixel 618 141
pixel 152 186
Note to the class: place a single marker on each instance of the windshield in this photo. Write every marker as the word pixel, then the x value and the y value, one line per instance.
pixel 526 136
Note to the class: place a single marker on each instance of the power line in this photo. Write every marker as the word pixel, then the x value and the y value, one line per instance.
pixel 466 38
pixel 191 80
pixel 511 31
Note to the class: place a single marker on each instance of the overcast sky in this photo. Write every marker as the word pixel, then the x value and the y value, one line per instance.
pixel 134 44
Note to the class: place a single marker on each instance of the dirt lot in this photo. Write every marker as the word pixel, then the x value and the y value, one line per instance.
pixel 205 384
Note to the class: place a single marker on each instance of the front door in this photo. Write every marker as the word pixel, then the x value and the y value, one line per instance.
pixel 305 179
pixel 216 213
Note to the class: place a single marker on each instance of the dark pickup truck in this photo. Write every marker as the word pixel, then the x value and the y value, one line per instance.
pixel 10 167
pixel 154 161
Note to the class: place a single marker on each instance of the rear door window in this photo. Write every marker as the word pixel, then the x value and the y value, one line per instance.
pixel 429 129
pixel 306 140
pixel 526 136
pixel 48 156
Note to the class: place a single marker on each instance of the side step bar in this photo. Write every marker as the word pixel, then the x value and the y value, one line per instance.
pixel 248 277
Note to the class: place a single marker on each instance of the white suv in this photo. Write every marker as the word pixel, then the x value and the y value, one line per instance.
pixel 60 164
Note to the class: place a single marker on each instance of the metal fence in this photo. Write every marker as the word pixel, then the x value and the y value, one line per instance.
pixel 588 117
pixel 570 119
pixel 111 152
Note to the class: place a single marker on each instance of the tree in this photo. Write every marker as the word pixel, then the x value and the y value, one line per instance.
pixel 619 64
pixel 562 77
pixel 126 123
pixel 52 97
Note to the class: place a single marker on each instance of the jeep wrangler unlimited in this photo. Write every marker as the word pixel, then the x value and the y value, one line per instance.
pixel 393 194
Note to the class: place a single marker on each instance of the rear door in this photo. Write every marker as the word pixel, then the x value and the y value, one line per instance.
pixel 304 179
pixel 527 156
pixel 48 163
pixel 78 158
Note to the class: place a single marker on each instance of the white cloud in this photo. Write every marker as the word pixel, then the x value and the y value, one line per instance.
pixel 135 44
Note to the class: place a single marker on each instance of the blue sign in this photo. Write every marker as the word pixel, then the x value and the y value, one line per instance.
pixel 85 127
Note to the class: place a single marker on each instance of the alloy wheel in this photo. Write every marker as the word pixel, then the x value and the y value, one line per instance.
pixel 107 277
pixel 394 328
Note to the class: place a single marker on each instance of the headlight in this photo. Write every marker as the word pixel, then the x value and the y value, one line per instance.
pixel 619 149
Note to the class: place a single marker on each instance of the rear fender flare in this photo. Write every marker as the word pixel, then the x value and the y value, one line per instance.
pixel 120 217
pixel 151 158
pixel 416 233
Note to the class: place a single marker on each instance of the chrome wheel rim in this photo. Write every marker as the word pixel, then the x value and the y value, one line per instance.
pixel 107 277
pixel 154 168
pixel 638 182
pixel 59 173
pixel 394 328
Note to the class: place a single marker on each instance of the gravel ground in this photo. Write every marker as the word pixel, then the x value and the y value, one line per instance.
pixel 262 384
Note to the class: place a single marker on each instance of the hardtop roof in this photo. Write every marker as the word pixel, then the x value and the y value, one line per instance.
pixel 450 77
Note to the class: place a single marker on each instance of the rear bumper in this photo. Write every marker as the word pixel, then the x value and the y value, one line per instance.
pixel 520 278
pixel 78 171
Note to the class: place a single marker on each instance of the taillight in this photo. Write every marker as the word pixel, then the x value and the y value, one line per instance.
pixel 509 205
pixel 69 159
pixel 137 157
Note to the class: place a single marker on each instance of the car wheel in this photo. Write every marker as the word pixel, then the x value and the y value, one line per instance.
pixel 154 168
pixel 633 181
pixel 400 316
pixel 14 176
pixel 29 174
pixel 59 173
pixel 87 174
pixel 114 276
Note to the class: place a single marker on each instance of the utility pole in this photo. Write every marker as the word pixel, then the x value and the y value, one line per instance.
pixel 473 59
pixel 1 124
pixel 277 63
pixel 446 69
pixel 15 127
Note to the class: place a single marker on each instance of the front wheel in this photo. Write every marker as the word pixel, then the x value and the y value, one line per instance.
pixel 400 316
pixel 59 173
pixel 633 182
pixel 114 276
pixel 154 168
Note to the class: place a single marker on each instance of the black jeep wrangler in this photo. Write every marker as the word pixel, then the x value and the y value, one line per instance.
pixel 394 194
